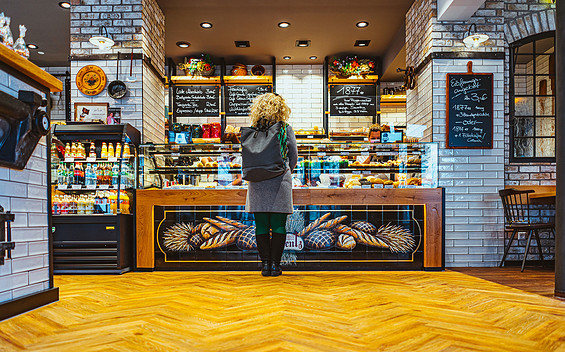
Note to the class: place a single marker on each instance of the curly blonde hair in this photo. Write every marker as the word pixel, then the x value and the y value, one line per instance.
pixel 269 106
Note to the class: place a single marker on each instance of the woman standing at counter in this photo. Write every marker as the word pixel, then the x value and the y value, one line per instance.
pixel 271 200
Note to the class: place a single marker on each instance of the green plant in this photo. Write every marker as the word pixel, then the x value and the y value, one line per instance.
pixel 351 65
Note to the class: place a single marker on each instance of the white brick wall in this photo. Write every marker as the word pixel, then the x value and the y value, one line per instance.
pixel 419 102
pixel 473 213
pixel 25 194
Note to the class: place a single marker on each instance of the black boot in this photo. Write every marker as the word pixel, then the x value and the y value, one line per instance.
pixel 277 248
pixel 264 248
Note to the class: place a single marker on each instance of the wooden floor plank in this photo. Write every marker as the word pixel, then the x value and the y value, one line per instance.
pixel 300 311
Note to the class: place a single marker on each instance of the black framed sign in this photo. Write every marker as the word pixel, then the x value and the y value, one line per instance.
pixel 240 97
pixel 196 101
pixel 353 100
pixel 470 110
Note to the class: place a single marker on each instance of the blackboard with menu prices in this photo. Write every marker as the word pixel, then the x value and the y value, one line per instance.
pixel 353 100
pixel 240 97
pixel 196 101
pixel 470 110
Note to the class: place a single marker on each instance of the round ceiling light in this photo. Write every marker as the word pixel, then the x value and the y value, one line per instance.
pixel 313 57
pixel 65 4
pixel 206 25
pixel 362 24
pixel 32 46
pixel 286 57
pixel 284 24
pixel 183 44
pixel 41 53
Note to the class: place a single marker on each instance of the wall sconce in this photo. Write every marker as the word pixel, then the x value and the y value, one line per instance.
pixel 473 39
pixel 101 41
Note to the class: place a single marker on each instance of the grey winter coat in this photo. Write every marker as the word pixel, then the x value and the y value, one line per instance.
pixel 274 195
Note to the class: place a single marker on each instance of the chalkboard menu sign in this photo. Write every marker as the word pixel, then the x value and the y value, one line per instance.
pixel 353 100
pixel 240 97
pixel 194 101
pixel 469 110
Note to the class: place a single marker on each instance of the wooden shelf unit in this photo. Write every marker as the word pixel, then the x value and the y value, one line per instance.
pixel 369 79
pixel 29 69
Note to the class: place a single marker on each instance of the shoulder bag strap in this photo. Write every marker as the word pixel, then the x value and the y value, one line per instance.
pixel 283 140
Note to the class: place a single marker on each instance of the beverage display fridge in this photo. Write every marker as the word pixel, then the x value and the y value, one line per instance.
pixel 93 176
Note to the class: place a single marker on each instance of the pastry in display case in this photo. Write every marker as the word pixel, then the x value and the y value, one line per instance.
pixel 320 165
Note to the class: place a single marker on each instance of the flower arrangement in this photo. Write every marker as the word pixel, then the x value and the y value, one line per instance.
pixel 198 66
pixel 351 65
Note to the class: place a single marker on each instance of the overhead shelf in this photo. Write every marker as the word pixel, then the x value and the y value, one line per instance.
pixel 354 79
pixel 248 79
pixel 195 80
pixel 29 69
pixel 393 100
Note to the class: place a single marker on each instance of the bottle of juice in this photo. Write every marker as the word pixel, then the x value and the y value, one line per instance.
pixel 73 150
pixel 124 202
pixel 118 150
pixel 110 150
pixel 126 151
pixel 92 151
pixel 67 150
pixel 104 152
pixel 113 198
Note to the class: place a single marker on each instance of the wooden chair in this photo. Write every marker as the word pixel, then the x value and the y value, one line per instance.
pixel 517 215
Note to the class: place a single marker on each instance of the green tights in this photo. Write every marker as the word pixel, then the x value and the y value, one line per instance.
pixel 270 221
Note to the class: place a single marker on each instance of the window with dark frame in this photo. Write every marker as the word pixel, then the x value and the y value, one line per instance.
pixel 532 99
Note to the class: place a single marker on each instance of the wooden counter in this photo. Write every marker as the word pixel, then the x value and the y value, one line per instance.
pixel 431 199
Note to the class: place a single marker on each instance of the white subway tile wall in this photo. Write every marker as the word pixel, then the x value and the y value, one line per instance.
pixel 24 193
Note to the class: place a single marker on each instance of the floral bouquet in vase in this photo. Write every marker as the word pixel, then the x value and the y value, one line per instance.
pixel 202 66
pixel 344 67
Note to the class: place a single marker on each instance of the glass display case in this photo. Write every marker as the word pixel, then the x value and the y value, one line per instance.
pixel 320 165
pixel 94 169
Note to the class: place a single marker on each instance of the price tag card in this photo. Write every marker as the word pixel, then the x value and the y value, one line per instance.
pixel 175 155
pixel 357 172
pixel 104 186
pixel 62 187
pixel 310 137
pixel 69 160
pixel 379 185
pixel 91 159
pixel 321 153
pixel 365 153
pixel 366 186
pixel 389 186
pixel 91 187
pixel 344 153
pixel 76 187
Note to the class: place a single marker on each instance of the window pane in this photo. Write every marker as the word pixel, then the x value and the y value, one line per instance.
pixel 524 85
pixel 545 147
pixel 523 62
pixel 542 65
pixel 524 127
pixel 545 127
pixel 545 85
pixel 523 147
pixel 545 106
pixel 524 106
pixel 545 46
pixel 526 48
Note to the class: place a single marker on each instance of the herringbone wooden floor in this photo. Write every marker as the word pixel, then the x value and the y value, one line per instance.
pixel 313 311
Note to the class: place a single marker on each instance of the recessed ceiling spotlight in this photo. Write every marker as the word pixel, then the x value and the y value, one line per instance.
pixel 286 57
pixel 313 57
pixel 206 25
pixel 65 4
pixel 32 46
pixel 242 44
pixel 362 42
pixel 303 43
pixel 41 53
pixel 183 44
pixel 284 24
pixel 362 24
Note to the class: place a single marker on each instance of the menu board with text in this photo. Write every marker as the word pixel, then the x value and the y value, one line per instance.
pixel 353 100
pixel 470 110
pixel 240 97
pixel 196 101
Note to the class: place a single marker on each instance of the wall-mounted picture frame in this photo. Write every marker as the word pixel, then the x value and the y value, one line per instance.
pixel 91 112
pixel 114 116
